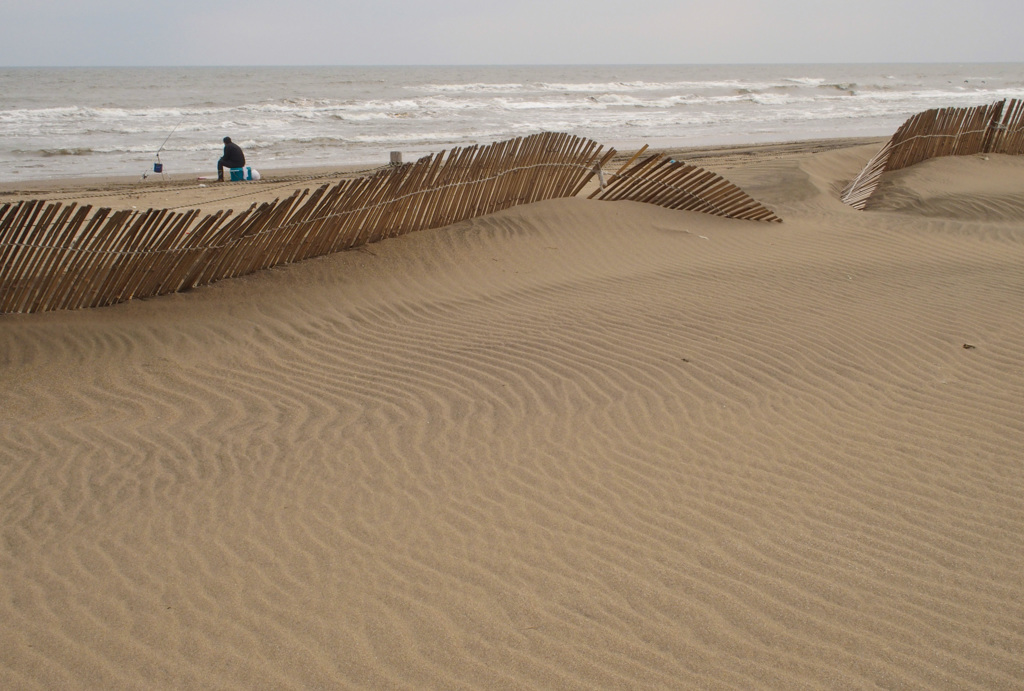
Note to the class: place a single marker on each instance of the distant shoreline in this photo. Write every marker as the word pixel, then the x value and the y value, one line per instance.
pixel 129 191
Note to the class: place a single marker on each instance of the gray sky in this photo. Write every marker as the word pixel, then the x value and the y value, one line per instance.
pixel 404 32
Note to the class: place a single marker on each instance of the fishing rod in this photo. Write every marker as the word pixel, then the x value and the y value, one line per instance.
pixel 158 167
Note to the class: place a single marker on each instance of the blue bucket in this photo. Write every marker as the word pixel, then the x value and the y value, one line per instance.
pixel 246 173
pixel 158 167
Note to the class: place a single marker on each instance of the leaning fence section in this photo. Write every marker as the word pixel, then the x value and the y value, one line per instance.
pixel 996 128
pixel 676 185
pixel 55 257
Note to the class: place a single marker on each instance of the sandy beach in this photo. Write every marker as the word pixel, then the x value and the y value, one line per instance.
pixel 571 445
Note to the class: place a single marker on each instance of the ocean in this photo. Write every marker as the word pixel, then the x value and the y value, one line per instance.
pixel 83 122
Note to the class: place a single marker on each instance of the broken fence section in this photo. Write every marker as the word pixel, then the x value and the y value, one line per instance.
pixel 55 257
pixel 675 185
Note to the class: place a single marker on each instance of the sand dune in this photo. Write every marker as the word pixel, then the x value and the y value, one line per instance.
pixel 985 187
pixel 577 444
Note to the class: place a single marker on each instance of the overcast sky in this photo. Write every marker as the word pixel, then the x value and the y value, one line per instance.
pixel 475 32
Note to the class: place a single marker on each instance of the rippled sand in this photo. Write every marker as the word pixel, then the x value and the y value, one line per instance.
pixel 574 445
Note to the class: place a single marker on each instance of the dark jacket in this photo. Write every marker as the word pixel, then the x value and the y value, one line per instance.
pixel 233 156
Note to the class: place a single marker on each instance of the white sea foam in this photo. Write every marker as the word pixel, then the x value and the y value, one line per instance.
pixel 475 87
pixel 59 122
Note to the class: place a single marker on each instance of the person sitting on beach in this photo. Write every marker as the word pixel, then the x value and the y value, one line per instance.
pixel 232 158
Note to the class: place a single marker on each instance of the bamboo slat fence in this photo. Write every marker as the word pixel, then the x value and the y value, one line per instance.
pixel 675 185
pixel 997 128
pixel 55 257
